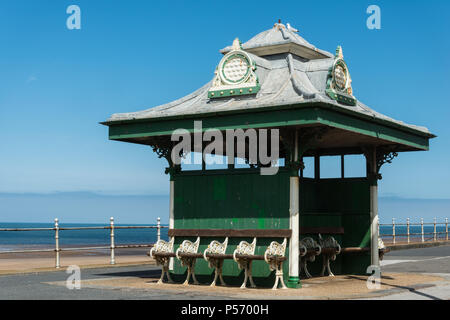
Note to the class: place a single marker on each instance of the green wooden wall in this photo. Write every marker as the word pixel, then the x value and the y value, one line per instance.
pixel 231 199
pixel 339 203
pixel 244 199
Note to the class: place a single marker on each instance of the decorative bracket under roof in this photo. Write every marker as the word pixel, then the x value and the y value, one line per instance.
pixel 235 74
pixel 339 82
pixel 383 155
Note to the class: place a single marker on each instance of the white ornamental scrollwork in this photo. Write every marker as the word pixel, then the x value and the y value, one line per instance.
pixel 273 252
pixel 163 247
pixel 186 261
pixel 245 248
pixel 216 247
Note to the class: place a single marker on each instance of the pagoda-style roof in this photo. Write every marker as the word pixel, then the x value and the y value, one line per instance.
pixel 290 72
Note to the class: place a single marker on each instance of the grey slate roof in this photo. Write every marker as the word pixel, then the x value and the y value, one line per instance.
pixel 285 79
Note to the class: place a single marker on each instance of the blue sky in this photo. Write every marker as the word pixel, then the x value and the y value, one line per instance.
pixel 57 84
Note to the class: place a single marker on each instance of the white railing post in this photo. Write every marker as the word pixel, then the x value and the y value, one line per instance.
pixel 421 225
pixel 434 232
pixel 446 229
pixel 57 264
pixel 158 225
pixel 378 227
pixel 393 230
pixel 113 261
pixel 407 228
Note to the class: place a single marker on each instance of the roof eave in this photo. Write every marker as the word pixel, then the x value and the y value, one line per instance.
pixel 285 47
pixel 327 105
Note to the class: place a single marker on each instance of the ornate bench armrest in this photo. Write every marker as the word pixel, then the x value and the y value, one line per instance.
pixel 162 246
pixel 330 243
pixel 216 247
pixel 274 250
pixel 188 247
pixel 245 248
pixel 311 244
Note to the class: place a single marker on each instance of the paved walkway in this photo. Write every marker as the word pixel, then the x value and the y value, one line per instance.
pixel 408 274
pixel 435 260
pixel 45 261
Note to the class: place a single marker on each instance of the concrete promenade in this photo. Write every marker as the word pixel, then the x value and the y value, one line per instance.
pixel 422 273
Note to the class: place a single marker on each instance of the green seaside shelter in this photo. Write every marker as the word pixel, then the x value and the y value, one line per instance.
pixel 277 80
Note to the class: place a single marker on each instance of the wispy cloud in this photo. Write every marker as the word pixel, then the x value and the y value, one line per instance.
pixel 32 78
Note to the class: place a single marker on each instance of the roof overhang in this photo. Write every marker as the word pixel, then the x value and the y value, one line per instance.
pixel 370 130
pixel 285 47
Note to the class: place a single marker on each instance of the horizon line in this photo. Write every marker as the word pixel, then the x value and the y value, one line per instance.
pixel 112 194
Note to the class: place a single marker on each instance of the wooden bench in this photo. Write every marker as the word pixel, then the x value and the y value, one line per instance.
pixel 328 247
pixel 243 254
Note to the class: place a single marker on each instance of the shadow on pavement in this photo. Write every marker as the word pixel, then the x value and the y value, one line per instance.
pixel 145 274
pixel 410 289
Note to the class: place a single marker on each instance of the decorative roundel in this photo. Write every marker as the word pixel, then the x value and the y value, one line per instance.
pixel 235 68
pixel 340 75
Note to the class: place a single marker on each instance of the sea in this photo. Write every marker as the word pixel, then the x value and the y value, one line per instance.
pixel 32 240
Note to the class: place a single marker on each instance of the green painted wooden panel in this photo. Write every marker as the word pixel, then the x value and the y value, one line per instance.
pixel 238 199
pixel 339 203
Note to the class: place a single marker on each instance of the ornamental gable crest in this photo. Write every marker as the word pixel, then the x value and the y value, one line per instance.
pixel 235 75
pixel 339 82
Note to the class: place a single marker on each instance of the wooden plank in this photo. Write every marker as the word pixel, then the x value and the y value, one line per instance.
pixel 321 230
pixel 242 233
pixel 361 250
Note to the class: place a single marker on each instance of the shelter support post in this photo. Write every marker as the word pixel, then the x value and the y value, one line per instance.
pixel 294 208
pixel 171 214
pixel 373 173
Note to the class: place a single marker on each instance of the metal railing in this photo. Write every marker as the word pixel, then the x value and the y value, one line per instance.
pixel 112 246
pixel 432 236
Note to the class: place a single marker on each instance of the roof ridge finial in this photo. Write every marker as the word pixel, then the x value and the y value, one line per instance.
pixel 339 53
pixel 279 25
pixel 237 45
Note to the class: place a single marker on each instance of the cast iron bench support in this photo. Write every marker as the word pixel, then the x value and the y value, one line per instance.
pixel 186 254
pixel 246 249
pixel 162 251
pixel 243 254
pixel 216 262
pixel 273 256
pixel 330 248
pixel 310 249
